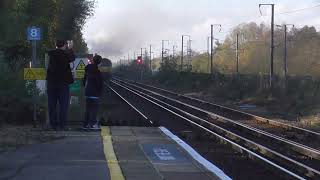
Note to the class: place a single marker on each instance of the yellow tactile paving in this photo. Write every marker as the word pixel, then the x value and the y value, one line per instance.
pixel 113 164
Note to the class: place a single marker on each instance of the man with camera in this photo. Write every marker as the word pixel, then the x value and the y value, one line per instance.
pixel 59 77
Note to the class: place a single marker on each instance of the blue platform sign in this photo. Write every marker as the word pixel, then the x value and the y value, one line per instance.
pixel 160 153
pixel 34 33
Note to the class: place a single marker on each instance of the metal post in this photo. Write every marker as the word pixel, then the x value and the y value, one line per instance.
pixel 173 52
pixel 162 53
pixel 128 58
pixel 46 64
pixel 285 52
pixel 141 64
pixel 272 43
pixel 141 72
pixel 208 52
pixel 237 53
pixel 145 53
pixel 33 65
pixel 211 50
pixel 189 53
pixel 181 65
pixel 34 53
pixel 150 59
pixel 272 46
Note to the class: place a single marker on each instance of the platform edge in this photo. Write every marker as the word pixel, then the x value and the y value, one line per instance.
pixel 195 155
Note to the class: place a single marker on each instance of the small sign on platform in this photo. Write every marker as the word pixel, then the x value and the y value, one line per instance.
pixel 163 153
pixel 34 74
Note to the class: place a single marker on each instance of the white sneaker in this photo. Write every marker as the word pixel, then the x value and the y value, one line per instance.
pixel 95 127
pixel 85 127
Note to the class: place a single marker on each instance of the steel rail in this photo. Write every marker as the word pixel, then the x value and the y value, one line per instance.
pixel 307 168
pixel 298 147
pixel 239 148
pixel 255 117
pixel 132 106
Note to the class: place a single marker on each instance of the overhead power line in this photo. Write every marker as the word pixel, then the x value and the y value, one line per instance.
pixel 298 10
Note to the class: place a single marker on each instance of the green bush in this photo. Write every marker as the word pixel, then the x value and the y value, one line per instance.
pixel 15 96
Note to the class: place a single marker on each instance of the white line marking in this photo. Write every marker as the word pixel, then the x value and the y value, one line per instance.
pixel 195 155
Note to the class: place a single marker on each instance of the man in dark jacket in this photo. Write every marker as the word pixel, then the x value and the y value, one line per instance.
pixel 59 77
pixel 93 89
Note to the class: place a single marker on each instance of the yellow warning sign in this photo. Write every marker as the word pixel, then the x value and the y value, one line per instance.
pixel 34 74
pixel 81 65
pixel 79 74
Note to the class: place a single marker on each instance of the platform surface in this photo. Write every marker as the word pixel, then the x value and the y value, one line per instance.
pixel 115 153
pixel 76 156
pixel 149 154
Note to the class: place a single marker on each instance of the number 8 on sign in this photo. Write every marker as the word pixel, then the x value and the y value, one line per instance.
pixel 34 34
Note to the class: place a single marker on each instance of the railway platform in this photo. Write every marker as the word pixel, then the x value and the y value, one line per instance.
pixel 115 153
pixel 74 155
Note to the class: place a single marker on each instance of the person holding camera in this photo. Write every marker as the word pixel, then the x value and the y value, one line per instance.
pixel 59 77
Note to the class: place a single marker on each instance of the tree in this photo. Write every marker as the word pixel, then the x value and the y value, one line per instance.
pixel 58 19
pixel 254 52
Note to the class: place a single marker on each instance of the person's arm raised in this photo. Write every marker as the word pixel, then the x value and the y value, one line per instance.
pixel 70 55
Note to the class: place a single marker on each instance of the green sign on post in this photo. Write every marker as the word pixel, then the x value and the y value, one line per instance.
pixel 75 87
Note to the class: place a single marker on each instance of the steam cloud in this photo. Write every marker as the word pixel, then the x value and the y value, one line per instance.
pixel 126 28
pixel 119 27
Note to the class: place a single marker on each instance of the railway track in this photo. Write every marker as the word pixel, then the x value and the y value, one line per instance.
pixel 297 134
pixel 291 157
pixel 283 131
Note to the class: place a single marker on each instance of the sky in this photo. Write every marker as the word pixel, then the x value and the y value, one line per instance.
pixel 121 27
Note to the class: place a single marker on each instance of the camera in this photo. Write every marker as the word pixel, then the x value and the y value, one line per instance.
pixel 70 44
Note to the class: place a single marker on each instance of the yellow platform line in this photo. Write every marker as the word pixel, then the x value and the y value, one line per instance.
pixel 113 164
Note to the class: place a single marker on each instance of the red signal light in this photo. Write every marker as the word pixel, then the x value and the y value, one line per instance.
pixel 139 60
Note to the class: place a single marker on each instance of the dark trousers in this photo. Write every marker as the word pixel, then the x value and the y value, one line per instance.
pixel 58 94
pixel 92 107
